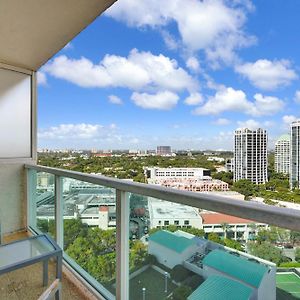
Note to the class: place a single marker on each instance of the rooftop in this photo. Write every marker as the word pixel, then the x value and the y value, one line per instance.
pixel 238 267
pixel 171 240
pixel 217 218
pixel 284 137
pixel 221 288
pixel 163 209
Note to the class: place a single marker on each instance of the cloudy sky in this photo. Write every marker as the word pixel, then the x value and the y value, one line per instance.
pixel 184 73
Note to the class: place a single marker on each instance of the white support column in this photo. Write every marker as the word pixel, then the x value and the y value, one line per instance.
pixel 31 181
pixel 59 211
pixel 122 219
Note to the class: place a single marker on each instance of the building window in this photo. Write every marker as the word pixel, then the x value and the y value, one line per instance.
pixel 176 222
pixel 186 222
pixel 159 222
pixel 166 223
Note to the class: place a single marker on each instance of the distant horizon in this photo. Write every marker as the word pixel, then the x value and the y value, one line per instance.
pixel 136 149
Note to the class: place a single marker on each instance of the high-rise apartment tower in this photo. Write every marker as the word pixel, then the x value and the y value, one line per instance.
pixel 163 150
pixel 250 155
pixel 295 155
pixel 282 155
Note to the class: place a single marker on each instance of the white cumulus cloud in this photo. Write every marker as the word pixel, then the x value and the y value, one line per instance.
pixel 229 99
pixel 297 97
pixel 76 131
pixel 162 100
pixel 266 105
pixel 194 99
pixel 41 78
pixel 250 124
pixel 222 122
pixel 115 99
pixel 193 64
pixel 215 26
pixel 288 119
pixel 138 71
pixel 266 74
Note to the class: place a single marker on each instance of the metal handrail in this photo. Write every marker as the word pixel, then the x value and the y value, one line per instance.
pixel 277 216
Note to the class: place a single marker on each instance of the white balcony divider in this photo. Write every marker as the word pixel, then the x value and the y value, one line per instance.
pixel 277 216
pixel 122 219
pixel 31 197
pixel 59 211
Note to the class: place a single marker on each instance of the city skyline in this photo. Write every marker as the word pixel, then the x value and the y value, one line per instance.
pixel 185 86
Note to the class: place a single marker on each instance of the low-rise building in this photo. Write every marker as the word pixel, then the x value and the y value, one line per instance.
pixel 258 276
pixel 194 185
pixel 103 216
pixel 228 274
pixel 188 179
pixel 216 159
pixel 233 227
pixel 170 248
pixel 163 214
pixel 154 173
pixel 220 287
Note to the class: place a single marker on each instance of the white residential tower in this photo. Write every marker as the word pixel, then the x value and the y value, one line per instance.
pixel 282 154
pixel 250 155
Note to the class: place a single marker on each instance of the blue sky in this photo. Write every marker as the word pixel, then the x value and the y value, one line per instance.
pixel 184 73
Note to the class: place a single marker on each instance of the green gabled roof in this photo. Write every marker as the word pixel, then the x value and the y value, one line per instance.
pixel 221 288
pixel 171 240
pixel 284 137
pixel 238 267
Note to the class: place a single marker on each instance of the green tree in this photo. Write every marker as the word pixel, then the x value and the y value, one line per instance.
pixel 265 250
pixel 245 187
pixel 266 235
pixel 297 254
pixel 294 237
pixel 73 228
pixel 179 273
pixel 214 237
pixel 182 292
pixel 233 244
pixel 225 227
pixel 224 176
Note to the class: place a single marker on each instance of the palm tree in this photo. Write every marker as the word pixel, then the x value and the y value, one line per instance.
pixel 225 227
pixel 253 227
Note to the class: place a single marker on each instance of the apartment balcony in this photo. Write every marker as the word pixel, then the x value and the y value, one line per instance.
pixel 109 261
pixel 55 197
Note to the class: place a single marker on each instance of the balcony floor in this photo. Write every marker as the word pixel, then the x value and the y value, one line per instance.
pixel 26 283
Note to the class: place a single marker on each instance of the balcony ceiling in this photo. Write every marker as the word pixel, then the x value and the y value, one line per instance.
pixel 32 31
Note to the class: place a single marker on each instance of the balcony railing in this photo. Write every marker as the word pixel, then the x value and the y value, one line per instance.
pixel 122 189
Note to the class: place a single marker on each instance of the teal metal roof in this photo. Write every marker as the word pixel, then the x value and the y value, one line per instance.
pixel 236 266
pixel 221 288
pixel 171 240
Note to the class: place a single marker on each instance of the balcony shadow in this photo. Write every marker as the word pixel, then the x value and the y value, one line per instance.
pixel 284 295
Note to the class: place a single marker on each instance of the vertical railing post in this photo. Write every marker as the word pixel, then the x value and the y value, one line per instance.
pixel 59 211
pixel 122 222
pixel 31 182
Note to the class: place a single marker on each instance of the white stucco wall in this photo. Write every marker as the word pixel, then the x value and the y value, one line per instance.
pixel 267 289
pixel 12 197
pixel 18 140
pixel 168 257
